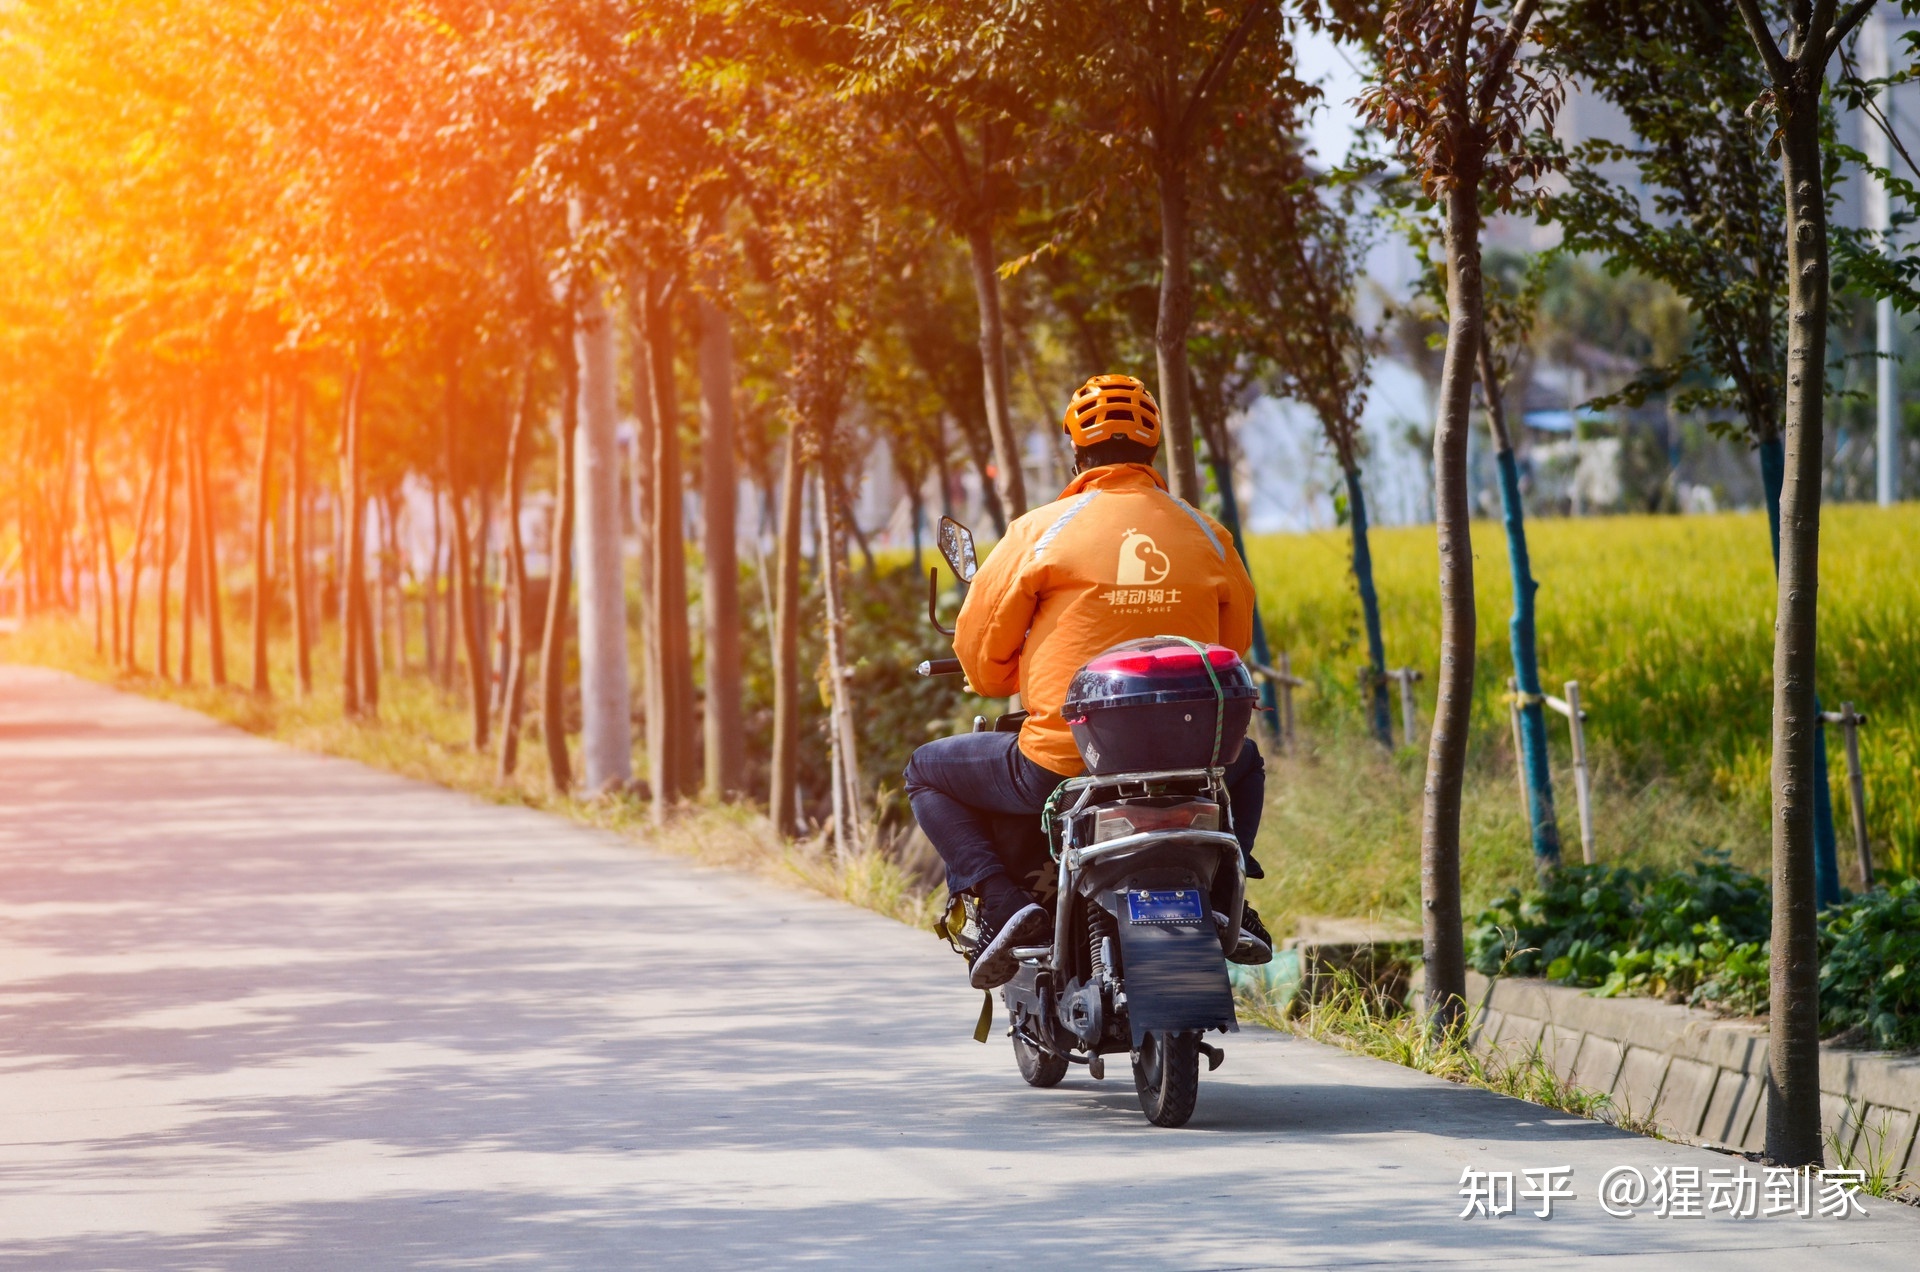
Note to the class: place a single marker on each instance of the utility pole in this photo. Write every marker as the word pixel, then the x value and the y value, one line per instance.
pixel 1886 398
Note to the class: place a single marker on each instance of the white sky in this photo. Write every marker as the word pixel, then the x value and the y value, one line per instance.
pixel 1335 69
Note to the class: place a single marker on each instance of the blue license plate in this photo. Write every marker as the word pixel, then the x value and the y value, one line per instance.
pixel 1172 905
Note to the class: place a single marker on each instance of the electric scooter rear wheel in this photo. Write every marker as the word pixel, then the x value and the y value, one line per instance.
pixel 1039 1068
pixel 1166 1074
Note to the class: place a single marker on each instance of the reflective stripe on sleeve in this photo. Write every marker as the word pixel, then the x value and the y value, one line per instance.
pixel 1053 530
pixel 1201 521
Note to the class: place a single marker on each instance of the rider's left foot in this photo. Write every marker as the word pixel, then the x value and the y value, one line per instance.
pixel 1255 946
pixel 1009 918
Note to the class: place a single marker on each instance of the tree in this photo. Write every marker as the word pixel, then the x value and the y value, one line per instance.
pixel 606 744
pixel 1507 319
pixel 1713 230
pixel 553 638
pixel 720 591
pixel 1284 246
pixel 1149 78
pixel 1450 92
pixel 960 87
pixel 1797 84
pixel 262 517
pixel 298 548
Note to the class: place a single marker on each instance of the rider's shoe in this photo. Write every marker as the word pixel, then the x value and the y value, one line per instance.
pixel 1009 918
pixel 1255 946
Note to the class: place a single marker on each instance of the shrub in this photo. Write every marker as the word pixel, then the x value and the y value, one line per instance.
pixel 1701 936
pixel 1870 966
pixel 1697 935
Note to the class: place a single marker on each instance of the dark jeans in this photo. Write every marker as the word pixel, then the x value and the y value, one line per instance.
pixel 979 798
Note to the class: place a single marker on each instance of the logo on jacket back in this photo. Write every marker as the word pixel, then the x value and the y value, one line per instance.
pixel 1142 563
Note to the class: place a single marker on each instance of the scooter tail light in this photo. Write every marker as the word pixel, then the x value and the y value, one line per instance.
pixel 1135 819
pixel 1168 660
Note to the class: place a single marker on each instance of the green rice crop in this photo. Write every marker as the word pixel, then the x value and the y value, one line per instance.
pixel 1667 623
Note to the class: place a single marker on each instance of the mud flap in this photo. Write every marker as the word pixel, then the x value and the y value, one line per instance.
pixel 1175 976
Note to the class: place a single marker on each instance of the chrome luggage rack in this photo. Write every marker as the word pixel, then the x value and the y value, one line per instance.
pixel 1073 856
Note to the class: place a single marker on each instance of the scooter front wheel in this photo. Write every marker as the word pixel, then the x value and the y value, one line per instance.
pixel 1166 1074
pixel 1039 1068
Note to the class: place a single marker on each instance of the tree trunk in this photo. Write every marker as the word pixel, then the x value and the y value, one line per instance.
pixel 553 642
pixel 726 743
pixel 395 577
pixel 1793 1055
pixel 465 606
pixel 848 796
pixel 66 571
pixel 391 610
pixel 514 693
pixel 141 532
pixel 980 451
pixel 262 514
pixel 1170 330
pixel 1222 464
pixel 192 594
pixel 447 600
pixel 670 736
pixel 356 668
pixel 1447 750
pixel 1379 716
pixel 297 554
pixel 100 539
pixel 651 708
pixel 210 555
pixel 606 735
pixel 164 583
pixel 1772 455
pixel 430 596
pixel 993 366
pixel 782 795
pixel 1526 659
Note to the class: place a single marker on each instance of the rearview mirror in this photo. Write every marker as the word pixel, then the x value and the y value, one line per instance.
pixel 956 544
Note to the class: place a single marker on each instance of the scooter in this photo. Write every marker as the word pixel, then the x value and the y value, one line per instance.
pixel 1146 867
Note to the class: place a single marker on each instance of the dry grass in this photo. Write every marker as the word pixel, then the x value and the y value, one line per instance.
pixel 1341 834
pixel 1352 1017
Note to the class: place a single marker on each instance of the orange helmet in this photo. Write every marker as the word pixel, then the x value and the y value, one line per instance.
pixel 1110 406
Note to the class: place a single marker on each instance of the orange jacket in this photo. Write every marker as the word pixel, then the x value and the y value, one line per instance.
pixel 1114 558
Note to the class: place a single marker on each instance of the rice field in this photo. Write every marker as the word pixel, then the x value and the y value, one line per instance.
pixel 1666 622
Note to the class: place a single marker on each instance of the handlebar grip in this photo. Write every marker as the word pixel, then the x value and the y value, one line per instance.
pixel 939 667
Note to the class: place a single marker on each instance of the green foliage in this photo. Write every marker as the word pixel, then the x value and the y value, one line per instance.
pixel 1706 213
pixel 1697 935
pixel 1700 936
pixel 894 709
pixel 1870 966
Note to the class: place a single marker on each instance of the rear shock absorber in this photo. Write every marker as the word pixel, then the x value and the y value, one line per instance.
pixel 1101 930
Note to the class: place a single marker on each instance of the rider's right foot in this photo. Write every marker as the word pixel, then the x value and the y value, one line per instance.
pixel 1009 918
pixel 1254 946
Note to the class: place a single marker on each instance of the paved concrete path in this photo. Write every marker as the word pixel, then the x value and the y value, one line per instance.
pixel 261 1009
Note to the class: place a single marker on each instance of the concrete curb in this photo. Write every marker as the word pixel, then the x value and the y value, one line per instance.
pixel 1699 1077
